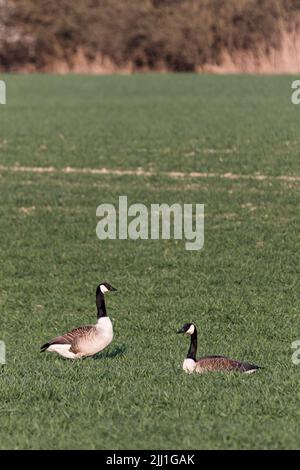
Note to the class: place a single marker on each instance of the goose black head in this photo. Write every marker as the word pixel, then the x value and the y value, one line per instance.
pixel 188 328
pixel 105 287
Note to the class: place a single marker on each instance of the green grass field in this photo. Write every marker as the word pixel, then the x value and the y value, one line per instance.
pixel 242 289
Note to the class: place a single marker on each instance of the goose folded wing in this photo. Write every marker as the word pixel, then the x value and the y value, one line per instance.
pixel 223 363
pixel 68 337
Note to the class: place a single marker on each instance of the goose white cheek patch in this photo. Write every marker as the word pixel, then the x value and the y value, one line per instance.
pixel 191 330
pixel 103 288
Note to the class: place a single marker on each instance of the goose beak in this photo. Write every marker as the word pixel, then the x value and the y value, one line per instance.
pixel 113 289
pixel 180 331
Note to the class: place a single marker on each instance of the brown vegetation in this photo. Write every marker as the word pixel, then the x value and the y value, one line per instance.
pixel 105 36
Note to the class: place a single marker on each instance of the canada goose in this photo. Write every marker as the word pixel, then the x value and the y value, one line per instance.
pixel 85 340
pixel 210 363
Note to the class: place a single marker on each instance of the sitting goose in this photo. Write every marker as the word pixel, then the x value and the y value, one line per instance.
pixel 210 363
pixel 85 340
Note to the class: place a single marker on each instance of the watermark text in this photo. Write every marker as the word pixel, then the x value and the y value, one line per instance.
pixel 161 221
pixel 296 354
pixel 2 353
pixel 2 92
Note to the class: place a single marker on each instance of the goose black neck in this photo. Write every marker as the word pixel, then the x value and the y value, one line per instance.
pixel 100 303
pixel 192 352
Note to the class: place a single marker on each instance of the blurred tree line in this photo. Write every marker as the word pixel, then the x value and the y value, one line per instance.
pixel 177 35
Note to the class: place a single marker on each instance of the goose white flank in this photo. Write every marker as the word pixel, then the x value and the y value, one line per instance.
pixel 86 340
pixel 210 363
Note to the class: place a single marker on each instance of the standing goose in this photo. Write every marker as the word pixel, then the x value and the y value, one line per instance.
pixel 210 363
pixel 85 340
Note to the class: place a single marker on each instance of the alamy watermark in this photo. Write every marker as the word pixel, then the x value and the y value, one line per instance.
pixel 2 353
pixel 296 354
pixel 295 97
pixel 153 223
pixel 2 92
